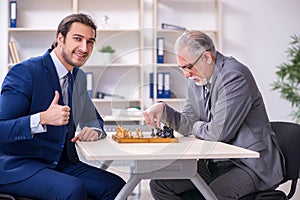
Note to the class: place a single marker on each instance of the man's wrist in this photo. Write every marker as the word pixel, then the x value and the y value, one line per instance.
pixel 42 118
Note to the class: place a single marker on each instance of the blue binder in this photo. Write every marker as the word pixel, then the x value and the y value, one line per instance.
pixel 160 50
pixel 13 14
pixel 166 86
pixel 160 85
pixel 89 83
pixel 151 85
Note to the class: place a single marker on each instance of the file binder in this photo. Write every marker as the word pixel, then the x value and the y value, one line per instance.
pixel 166 86
pixel 89 83
pixel 151 85
pixel 13 14
pixel 160 50
pixel 160 85
pixel 172 27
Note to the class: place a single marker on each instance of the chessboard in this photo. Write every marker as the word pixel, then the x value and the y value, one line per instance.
pixel 125 136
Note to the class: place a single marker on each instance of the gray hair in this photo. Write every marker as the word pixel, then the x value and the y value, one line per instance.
pixel 194 42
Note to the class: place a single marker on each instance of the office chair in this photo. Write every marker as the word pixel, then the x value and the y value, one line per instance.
pixel 7 197
pixel 288 136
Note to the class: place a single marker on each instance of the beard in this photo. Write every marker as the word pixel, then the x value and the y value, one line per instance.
pixel 202 82
pixel 199 81
pixel 69 60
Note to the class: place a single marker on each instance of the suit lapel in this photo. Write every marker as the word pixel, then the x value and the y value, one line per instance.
pixel 52 74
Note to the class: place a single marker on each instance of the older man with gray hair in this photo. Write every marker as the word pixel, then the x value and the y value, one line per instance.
pixel 223 103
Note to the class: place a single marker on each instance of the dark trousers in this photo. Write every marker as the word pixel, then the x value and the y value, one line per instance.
pixel 68 181
pixel 227 181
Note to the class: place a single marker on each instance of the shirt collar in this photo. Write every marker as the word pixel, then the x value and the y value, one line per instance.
pixel 60 68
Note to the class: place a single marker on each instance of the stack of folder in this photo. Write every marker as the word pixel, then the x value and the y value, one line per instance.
pixel 162 85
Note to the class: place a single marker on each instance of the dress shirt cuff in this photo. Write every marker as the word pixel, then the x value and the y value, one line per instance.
pixel 35 125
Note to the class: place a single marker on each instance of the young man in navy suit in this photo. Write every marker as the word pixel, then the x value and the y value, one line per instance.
pixel 39 112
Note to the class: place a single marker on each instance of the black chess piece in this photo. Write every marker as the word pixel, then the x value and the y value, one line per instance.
pixel 159 132
pixel 166 132
pixel 169 132
pixel 152 133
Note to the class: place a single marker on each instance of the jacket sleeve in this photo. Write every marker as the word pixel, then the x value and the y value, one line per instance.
pixel 14 105
pixel 183 121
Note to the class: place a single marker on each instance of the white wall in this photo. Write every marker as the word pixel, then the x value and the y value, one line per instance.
pixel 257 32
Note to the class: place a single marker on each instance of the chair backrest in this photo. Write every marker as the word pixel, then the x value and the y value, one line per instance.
pixel 288 136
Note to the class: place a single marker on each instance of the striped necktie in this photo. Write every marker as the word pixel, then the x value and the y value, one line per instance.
pixel 207 103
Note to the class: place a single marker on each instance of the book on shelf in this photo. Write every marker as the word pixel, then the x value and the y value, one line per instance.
pixel 13 52
pixel 172 27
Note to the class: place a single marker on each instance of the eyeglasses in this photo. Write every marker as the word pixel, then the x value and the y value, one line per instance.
pixel 190 66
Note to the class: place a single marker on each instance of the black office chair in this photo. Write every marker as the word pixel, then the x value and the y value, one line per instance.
pixel 288 135
pixel 7 197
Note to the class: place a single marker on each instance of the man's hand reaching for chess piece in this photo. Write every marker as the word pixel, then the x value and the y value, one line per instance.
pixel 153 115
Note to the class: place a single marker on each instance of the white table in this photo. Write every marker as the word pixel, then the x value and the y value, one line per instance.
pixel 163 160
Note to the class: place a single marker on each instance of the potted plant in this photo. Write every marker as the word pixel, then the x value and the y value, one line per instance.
pixel 288 77
pixel 106 54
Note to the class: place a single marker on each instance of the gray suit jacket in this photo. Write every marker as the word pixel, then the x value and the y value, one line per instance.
pixel 238 117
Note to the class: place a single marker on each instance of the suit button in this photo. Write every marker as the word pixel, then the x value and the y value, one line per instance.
pixel 62 146
pixel 55 162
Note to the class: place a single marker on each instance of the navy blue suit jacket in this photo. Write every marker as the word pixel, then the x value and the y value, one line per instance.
pixel 29 88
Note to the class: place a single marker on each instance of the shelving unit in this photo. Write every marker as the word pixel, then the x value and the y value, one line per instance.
pixel 204 15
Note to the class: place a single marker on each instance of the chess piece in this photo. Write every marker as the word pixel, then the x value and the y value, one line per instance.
pixel 123 134
pixel 141 133
pixel 130 134
pixel 137 133
pixel 159 132
pixel 169 132
pixel 152 133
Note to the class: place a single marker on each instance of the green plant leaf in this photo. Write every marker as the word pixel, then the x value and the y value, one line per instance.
pixel 288 77
pixel 107 49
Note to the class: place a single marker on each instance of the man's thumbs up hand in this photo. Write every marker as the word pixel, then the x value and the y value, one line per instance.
pixel 55 99
pixel 56 114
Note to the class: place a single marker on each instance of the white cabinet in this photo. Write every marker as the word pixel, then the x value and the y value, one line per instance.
pixel 204 15
pixel 120 26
